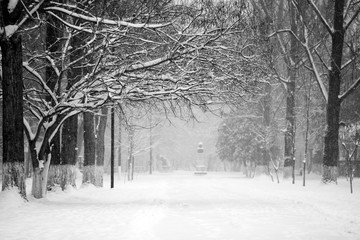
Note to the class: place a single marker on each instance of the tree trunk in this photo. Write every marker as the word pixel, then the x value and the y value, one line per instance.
pixel 54 174
pixel 53 34
pixel 289 158
pixel 13 132
pixel 120 148
pixel 62 167
pixel 100 146
pixel 132 167
pixel 331 149
pixel 69 152
pixel 89 148
pixel 265 29
pixel 1 134
pixel 267 121
pixel 131 152
pixel 289 147
pixel 69 141
pixel 40 174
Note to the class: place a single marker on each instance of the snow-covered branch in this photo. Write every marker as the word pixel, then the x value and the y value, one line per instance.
pixel 313 65
pixel 351 20
pixel 106 21
pixel 348 62
pixel 41 80
pixel 35 8
pixel 351 89
pixel 321 17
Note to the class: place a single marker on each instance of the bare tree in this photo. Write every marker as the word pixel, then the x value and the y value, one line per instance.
pixel 100 127
pixel 344 14
pixel 177 55
pixel 12 79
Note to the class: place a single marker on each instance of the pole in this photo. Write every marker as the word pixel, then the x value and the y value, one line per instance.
pixel 112 148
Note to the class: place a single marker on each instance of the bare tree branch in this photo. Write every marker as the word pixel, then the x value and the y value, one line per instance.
pixel 106 21
pixel 321 17
pixel 356 14
pixel 351 89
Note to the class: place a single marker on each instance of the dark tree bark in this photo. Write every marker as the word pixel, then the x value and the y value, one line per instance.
pixel 63 171
pixel 331 149
pixel 12 86
pixel 69 141
pixel 13 130
pixel 100 146
pixel 52 45
pixel 1 131
pixel 89 148
pixel 68 153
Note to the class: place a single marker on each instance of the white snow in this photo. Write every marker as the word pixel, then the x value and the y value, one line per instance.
pixel 10 30
pixel 12 5
pixel 181 205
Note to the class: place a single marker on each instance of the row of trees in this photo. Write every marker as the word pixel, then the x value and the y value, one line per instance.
pixel 61 58
pixel 315 59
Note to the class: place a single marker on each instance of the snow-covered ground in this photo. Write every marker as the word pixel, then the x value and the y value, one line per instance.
pixel 183 206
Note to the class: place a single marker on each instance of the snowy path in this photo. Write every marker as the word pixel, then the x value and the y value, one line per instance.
pixel 183 206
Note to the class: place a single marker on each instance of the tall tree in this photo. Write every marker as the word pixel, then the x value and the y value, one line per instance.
pixel 289 147
pixel 89 148
pixel 100 128
pixel 335 17
pixel 53 35
pixel 12 88
pixel 286 68
pixel 331 148
pixel 343 15
pixel 69 151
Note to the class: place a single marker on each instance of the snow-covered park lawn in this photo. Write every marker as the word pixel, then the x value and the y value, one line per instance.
pixel 183 206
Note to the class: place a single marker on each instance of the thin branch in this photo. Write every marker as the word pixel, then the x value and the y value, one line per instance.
pixel 322 60
pixel 82 29
pixel 35 8
pixel 38 76
pixel 322 19
pixel 314 68
pixel 351 89
pixel 347 63
pixel 347 25
pixel 107 21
